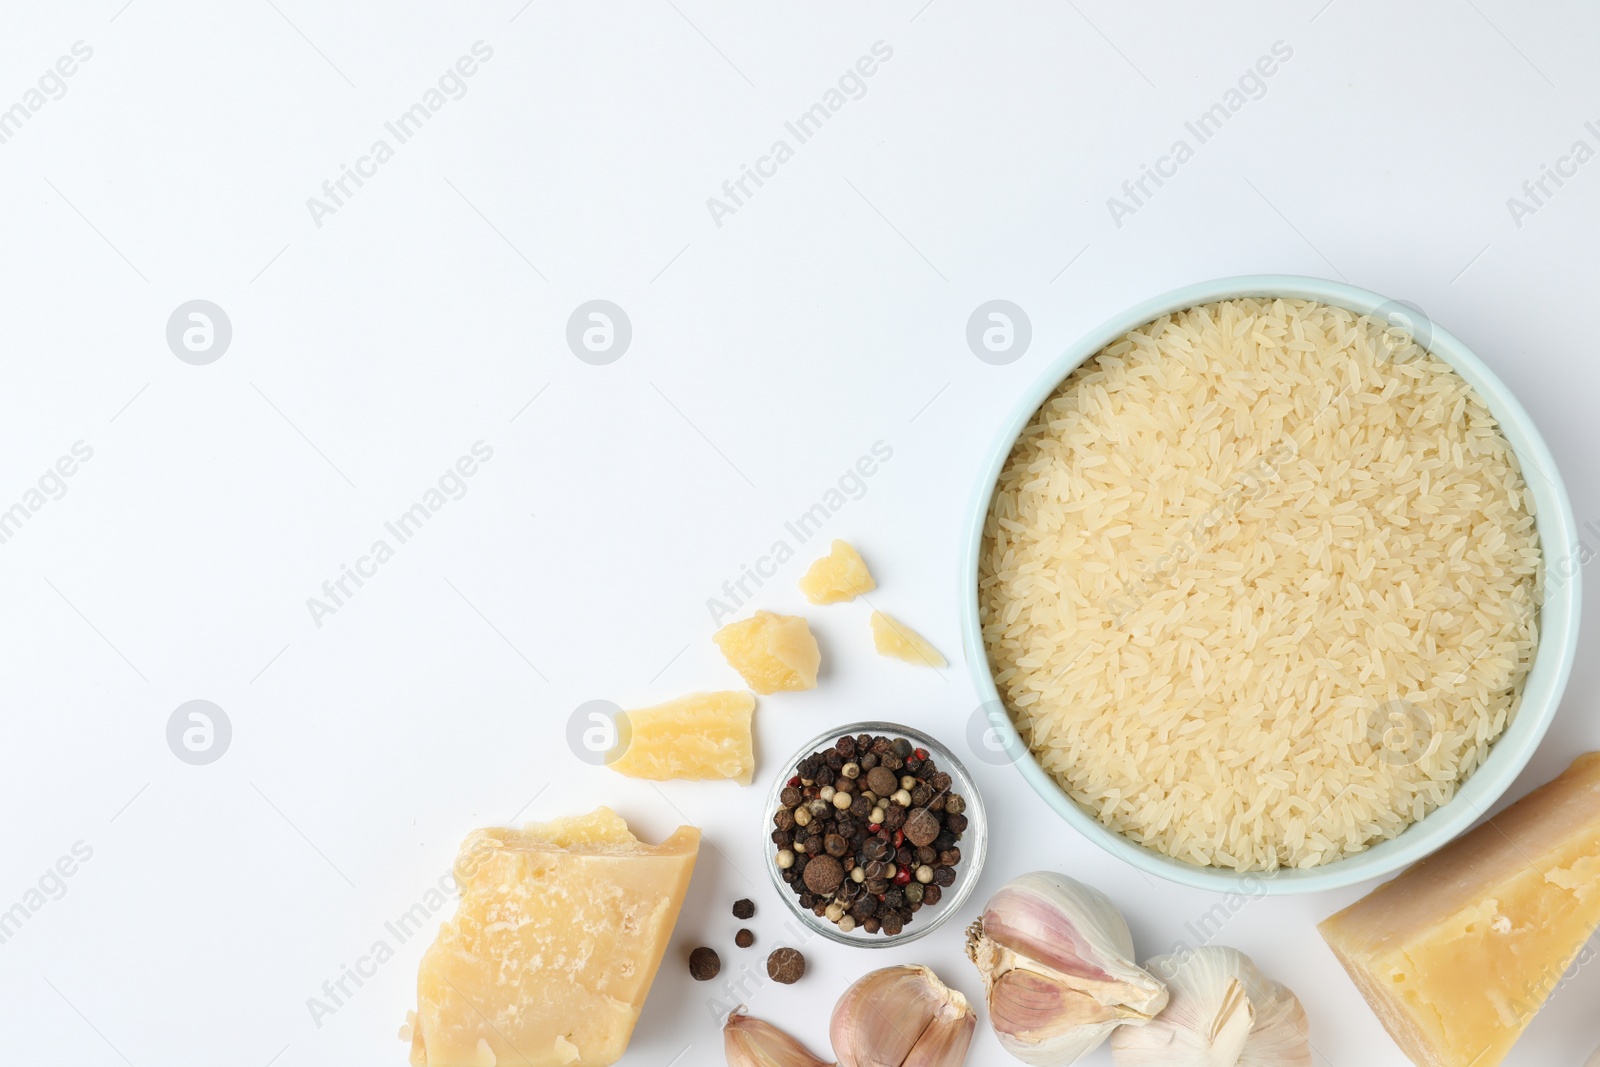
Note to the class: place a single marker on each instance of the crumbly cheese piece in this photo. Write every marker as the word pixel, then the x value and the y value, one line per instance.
pixel 552 949
pixel 1457 954
pixel 894 638
pixel 840 575
pixel 772 652
pixel 703 735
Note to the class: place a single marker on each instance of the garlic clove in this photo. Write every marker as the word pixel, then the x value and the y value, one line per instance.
pixel 901 1017
pixel 1074 929
pixel 750 1042
pixel 1223 1013
pixel 1055 956
pixel 945 1041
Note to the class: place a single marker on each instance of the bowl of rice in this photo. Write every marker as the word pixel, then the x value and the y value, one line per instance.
pixel 1266 586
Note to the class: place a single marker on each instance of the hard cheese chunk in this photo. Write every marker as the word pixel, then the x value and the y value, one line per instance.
pixel 703 735
pixel 894 638
pixel 1457 953
pixel 552 949
pixel 840 575
pixel 772 652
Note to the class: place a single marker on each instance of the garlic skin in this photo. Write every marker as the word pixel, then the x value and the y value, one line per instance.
pixel 1224 1013
pixel 750 1042
pixel 902 1017
pixel 1056 958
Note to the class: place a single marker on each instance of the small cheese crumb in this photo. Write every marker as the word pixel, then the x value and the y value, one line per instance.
pixel 839 576
pixel 894 638
pixel 772 652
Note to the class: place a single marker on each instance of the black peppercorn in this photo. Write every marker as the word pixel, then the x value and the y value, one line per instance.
pixel 789 797
pixel 744 939
pixel 945 876
pixel 954 804
pixel 743 908
pixel 834 845
pixel 949 857
pixel 704 964
pixel 956 824
pixel 931 894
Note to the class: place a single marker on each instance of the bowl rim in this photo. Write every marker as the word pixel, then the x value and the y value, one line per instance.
pixel 974 843
pixel 1558 614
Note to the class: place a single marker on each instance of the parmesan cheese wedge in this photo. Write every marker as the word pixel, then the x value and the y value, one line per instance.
pixel 703 735
pixel 1457 953
pixel 558 935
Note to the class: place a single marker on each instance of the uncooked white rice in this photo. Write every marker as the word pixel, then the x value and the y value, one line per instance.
pixel 1259 583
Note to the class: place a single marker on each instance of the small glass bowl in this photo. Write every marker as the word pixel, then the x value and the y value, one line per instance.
pixel 972 845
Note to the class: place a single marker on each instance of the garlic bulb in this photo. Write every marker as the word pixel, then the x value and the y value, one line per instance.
pixel 750 1042
pixel 902 1017
pixel 1056 960
pixel 1224 1013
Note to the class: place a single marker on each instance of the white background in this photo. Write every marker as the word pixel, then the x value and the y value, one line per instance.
pixel 827 313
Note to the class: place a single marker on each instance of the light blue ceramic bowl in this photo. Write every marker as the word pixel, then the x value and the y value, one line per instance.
pixel 1558 617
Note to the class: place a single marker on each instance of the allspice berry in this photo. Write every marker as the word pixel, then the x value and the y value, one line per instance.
pixel 785 966
pixel 744 939
pixel 823 874
pixel 704 964
pixel 921 827
pixel 882 781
